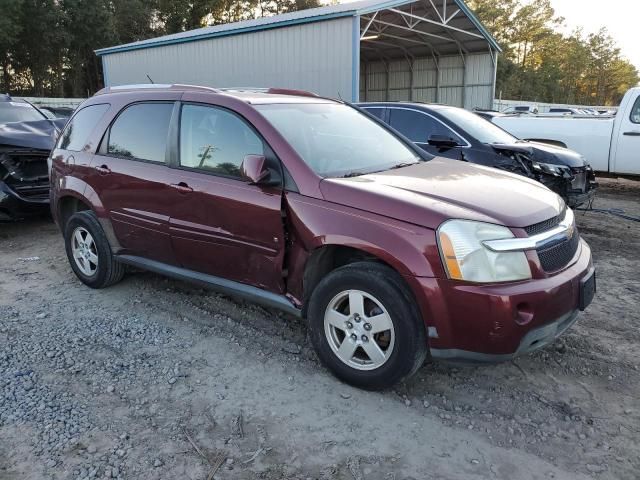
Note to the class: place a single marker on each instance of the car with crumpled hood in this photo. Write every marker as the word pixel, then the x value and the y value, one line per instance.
pixel 456 133
pixel 26 139
pixel 310 206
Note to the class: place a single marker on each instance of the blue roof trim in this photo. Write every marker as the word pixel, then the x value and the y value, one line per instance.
pixel 368 7
pixel 226 33
pixel 467 11
pixel 355 59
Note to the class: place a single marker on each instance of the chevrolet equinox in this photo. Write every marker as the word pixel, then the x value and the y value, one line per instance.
pixel 317 208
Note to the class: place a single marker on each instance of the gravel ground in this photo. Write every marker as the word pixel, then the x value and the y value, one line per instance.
pixel 153 379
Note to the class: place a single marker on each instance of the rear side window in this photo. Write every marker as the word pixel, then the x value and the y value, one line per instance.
pixel 216 140
pixel 77 132
pixel 417 126
pixel 140 132
pixel 635 112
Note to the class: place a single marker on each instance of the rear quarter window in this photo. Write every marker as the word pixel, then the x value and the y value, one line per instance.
pixel 76 133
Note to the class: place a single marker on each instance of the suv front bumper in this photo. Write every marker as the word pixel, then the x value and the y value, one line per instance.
pixel 492 323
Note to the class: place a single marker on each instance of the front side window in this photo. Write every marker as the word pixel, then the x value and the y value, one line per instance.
pixel 216 140
pixel 417 126
pixel 140 132
pixel 337 140
pixel 635 112
pixel 77 132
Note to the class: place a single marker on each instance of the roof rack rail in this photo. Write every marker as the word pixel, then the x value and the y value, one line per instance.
pixel 165 86
pixel 271 90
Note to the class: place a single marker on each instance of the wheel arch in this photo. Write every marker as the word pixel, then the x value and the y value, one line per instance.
pixel 330 256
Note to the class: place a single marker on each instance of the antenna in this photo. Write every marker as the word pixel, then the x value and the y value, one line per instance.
pixel 150 78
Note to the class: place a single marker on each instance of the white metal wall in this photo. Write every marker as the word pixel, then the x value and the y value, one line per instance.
pixel 313 56
pixel 468 83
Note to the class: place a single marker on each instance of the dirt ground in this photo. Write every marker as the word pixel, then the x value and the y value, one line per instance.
pixel 153 379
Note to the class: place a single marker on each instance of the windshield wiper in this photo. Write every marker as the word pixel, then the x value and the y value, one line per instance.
pixel 402 165
pixel 352 174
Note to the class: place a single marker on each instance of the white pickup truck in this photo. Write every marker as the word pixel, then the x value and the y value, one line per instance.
pixel 610 144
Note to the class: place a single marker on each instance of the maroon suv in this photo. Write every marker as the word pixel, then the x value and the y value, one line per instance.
pixel 315 207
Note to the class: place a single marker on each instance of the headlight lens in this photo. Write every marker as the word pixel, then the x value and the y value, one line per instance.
pixel 548 168
pixel 466 258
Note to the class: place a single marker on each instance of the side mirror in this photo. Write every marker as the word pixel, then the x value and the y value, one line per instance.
pixel 442 141
pixel 254 170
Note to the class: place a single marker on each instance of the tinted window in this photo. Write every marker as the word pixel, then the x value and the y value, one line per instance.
pixel 417 126
pixel 376 112
pixel 215 140
pixel 635 112
pixel 140 131
pixel 77 132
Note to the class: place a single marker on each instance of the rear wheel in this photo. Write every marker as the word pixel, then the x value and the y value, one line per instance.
pixel 89 252
pixel 365 327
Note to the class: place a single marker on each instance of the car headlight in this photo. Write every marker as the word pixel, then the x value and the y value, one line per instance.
pixel 466 258
pixel 548 168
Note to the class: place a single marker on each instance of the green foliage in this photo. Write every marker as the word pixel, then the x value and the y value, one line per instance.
pixel 47 46
pixel 541 64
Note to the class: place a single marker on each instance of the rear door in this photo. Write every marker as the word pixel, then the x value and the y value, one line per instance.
pixel 221 225
pixel 130 176
pixel 625 157
pixel 418 126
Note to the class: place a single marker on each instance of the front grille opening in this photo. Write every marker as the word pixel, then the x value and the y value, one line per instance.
pixel 546 224
pixel 559 255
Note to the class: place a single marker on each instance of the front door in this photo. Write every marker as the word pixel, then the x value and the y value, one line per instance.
pixel 129 176
pixel 221 225
pixel 418 126
pixel 626 158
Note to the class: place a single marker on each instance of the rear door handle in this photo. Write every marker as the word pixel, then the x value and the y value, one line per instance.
pixel 181 187
pixel 103 170
pixel 632 134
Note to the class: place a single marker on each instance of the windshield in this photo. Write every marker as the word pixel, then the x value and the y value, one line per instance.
pixel 482 130
pixel 336 140
pixel 18 112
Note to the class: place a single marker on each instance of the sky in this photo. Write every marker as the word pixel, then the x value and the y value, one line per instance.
pixel 619 16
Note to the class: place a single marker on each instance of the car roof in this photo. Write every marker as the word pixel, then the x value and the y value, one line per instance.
pixel 246 94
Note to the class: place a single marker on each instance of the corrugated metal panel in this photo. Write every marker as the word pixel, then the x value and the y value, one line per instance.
pixel 287 57
pixel 308 15
pixel 466 84
pixel 479 81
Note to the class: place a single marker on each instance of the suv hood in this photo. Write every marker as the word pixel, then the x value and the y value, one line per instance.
pixel 38 134
pixel 544 153
pixel 428 193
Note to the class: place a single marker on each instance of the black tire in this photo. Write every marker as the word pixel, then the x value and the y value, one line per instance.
pixel 410 347
pixel 108 270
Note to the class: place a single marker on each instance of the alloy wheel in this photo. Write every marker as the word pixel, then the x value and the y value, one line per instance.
pixel 359 330
pixel 84 250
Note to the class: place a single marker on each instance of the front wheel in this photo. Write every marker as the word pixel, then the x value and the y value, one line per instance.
pixel 365 326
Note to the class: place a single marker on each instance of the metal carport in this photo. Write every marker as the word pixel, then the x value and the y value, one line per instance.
pixel 372 50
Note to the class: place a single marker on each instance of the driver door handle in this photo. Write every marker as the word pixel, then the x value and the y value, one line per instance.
pixel 632 134
pixel 181 187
